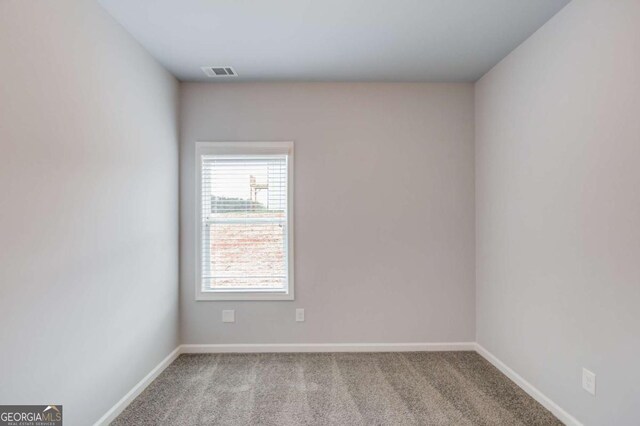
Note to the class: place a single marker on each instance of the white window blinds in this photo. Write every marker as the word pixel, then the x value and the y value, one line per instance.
pixel 244 223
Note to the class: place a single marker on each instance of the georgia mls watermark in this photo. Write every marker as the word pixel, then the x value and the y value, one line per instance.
pixel 30 415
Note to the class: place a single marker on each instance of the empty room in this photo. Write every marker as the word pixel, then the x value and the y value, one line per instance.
pixel 304 212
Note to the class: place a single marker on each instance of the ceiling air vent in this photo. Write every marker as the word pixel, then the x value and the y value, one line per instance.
pixel 217 72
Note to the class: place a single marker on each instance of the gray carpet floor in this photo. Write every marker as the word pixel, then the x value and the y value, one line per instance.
pixel 410 388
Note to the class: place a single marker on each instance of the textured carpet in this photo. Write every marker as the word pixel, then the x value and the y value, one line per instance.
pixel 411 388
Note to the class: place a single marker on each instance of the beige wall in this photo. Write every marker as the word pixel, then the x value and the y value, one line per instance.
pixel 384 228
pixel 88 208
pixel 558 209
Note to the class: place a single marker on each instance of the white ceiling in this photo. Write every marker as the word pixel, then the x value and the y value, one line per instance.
pixel 332 40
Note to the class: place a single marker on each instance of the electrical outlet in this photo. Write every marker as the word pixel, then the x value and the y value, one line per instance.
pixel 229 316
pixel 299 315
pixel 588 381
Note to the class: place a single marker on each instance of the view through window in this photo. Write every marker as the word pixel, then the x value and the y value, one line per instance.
pixel 244 222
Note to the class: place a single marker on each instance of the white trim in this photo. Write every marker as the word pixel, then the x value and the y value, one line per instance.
pixel 327 347
pixel 119 407
pixel 246 148
pixel 545 401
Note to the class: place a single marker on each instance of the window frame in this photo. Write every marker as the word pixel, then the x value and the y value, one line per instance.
pixel 244 148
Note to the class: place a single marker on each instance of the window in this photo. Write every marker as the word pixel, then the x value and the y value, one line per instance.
pixel 245 226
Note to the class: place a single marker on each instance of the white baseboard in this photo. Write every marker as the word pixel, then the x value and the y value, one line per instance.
pixel 328 347
pixel 137 389
pixel 546 402
pixel 274 347
pixel 561 414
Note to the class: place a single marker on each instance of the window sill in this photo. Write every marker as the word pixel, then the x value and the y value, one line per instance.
pixel 202 296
